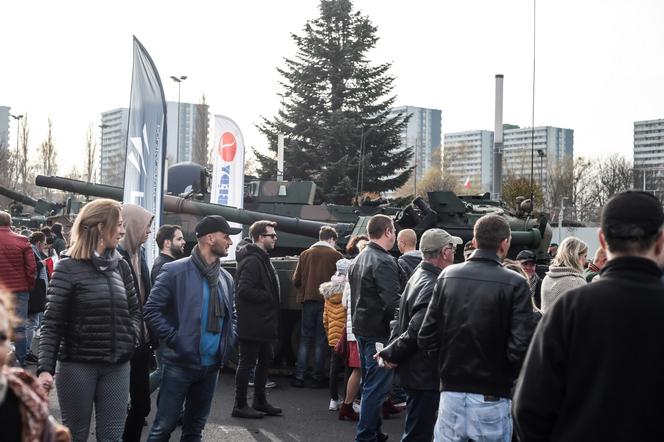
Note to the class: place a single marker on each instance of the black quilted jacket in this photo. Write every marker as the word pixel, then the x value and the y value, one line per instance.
pixel 92 315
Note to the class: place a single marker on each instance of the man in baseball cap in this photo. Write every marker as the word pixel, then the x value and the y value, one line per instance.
pixel 191 309
pixel 215 223
pixel 417 372
pixel 598 348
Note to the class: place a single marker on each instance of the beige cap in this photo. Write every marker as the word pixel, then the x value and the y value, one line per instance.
pixel 436 239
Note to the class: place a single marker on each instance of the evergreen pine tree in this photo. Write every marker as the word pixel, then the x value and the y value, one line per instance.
pixel 333 100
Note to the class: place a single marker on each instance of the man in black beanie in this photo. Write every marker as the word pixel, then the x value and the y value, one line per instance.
pixel 595 368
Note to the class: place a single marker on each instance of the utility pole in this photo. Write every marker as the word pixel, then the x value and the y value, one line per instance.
pixel 179 81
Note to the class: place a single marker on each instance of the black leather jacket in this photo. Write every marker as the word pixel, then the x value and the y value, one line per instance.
pixel 92 315
pixel 480 319
pixel 374 292
pixel 417 370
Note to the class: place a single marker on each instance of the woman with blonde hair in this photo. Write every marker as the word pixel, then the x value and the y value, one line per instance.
pixel 91 325
pixel 565 272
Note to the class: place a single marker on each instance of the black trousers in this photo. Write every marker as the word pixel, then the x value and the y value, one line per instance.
pixel 421 414
pixel 139 393
pixel 250 351
pixel 336 365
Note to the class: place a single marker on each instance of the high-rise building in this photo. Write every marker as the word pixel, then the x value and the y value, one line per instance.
pixel 649 156
pixel 189 143
pixel 543 148
pixel 4 127
pixel 423 133
pixel 193 133
pixel 468 156
pixel 113 146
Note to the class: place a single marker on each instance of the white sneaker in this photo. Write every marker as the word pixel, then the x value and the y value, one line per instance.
pixel 334 405
pixel 356 407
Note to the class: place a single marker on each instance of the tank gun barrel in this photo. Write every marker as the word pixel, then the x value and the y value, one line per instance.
pixel 18 197
pixel 180 205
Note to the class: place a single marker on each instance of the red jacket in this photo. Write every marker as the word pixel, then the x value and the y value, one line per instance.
pixel 17 262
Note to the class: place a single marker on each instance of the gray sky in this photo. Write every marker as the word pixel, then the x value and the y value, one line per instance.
pixel 599 63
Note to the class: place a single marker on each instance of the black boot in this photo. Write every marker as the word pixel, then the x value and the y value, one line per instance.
pixel 266 408
pixel 246 412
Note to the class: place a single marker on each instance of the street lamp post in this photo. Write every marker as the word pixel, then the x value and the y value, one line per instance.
pixel 101 147
pixel 540 154
pixel 18 119
pixel 178 80
pixel 560 217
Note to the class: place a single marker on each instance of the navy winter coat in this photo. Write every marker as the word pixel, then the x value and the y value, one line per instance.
pixel 173 313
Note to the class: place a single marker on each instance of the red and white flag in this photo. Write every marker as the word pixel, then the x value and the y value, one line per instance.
pixel 466 184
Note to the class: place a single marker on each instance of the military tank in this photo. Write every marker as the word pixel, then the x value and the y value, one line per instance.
pixel 292 199
pixel 445 210
pixel 41 209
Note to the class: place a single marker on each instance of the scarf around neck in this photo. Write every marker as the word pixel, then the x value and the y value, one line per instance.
pixel 211 273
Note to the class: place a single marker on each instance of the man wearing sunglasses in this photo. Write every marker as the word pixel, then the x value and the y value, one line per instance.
pixel 257 303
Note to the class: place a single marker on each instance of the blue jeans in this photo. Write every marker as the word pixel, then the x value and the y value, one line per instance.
pixel 376 384
pixel 20 341
pixel 155 376
pixel 312 332
pixel 33 323
pixel 463 416
pixel 421 411
pixel 197 386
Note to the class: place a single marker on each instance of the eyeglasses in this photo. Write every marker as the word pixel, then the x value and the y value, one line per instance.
pixel 446 248
pixel 271 235
pixel 3 337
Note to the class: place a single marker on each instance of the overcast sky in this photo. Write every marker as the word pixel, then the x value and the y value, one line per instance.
pixel 599 63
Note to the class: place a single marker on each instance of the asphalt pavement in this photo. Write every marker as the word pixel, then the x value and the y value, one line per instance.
pixel 305 417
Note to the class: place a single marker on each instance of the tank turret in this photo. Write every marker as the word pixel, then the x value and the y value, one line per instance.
pixel 178 205
pixel 458 215
pixel 41 209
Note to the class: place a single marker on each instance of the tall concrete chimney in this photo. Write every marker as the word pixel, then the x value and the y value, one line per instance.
pixel 497 185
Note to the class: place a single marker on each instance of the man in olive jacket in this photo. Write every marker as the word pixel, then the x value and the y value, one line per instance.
pixel 417 372
pixel 257 301
pixel 317 264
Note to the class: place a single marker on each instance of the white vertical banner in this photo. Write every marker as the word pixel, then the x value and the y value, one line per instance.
pixel 227 187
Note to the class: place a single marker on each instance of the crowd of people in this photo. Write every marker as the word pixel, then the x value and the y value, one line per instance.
pixel 488 349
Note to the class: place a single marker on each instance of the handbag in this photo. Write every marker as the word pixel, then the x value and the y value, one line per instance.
pixel 341 349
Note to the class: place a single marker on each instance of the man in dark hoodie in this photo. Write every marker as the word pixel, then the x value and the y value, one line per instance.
pixel 257 303
pixel 138 223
